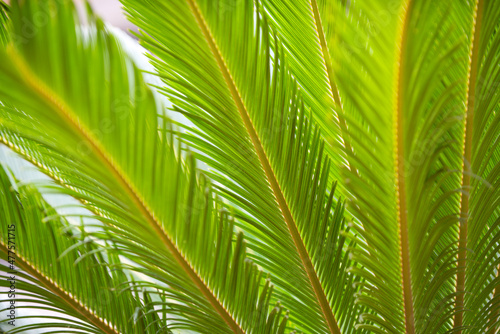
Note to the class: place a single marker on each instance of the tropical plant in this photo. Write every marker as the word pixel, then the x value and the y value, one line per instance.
pixel 336 170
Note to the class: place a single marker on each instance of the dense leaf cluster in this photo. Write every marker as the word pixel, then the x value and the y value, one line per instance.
pixel 350 180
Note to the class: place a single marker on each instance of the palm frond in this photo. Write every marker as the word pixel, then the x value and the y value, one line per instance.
pixel 49 277
pixel 478 280
pixel 349 148
pixel 98 138
pixel 250 117
pixel 307 32
pixel 400 175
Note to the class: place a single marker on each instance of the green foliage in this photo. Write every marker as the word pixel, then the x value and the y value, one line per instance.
pixel 4 19
pixel 351 157
pixel 62 261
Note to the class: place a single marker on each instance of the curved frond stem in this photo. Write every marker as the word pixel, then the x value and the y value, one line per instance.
pixel 330 74
pixel 400 174
pixel 271 176
pixel 53 287
pixel 67 114
pixel 467 155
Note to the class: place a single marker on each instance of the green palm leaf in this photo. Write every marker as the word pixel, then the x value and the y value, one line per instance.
pixel 251 118
pixel 127 172
pixel 422 145
pixel 52 278
pixel 354 143
pixel 402 140
pixel 478 278
pixel 309 34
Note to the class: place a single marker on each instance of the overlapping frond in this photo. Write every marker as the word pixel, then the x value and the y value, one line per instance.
pixel 49 265
pixel 356 144
pixel 432 66
pixel 84 116
pixel 265 151
pixel 480 202
pixel 366 59
pixel 432 130
pixel 402 117
pixel 307 30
